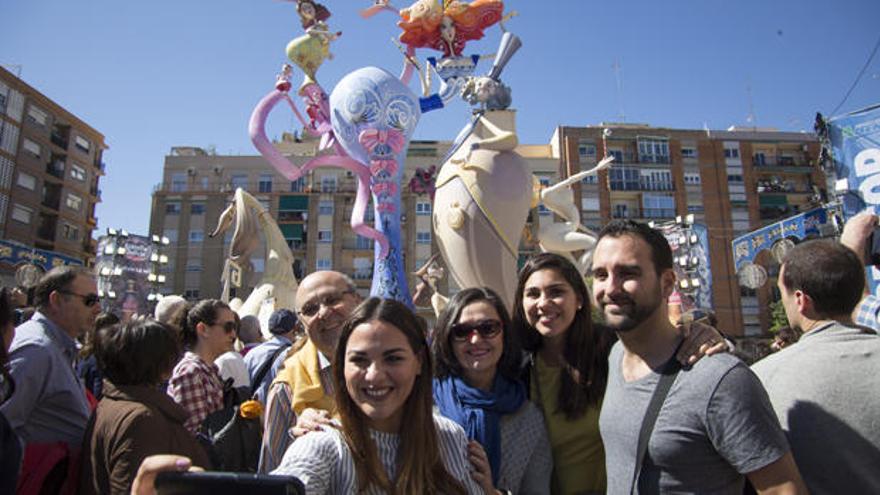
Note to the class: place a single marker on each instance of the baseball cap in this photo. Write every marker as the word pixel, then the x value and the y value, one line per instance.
pixel 282 321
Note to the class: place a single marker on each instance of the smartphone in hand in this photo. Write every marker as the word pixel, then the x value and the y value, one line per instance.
pixel 216 483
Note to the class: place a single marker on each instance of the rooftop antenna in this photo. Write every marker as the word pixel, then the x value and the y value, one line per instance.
pixel 616 68
pixel 750 118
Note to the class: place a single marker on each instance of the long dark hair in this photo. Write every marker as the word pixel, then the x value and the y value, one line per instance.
pixel 421 468
pixel 585 352
pixel 7 317
pixel 445 363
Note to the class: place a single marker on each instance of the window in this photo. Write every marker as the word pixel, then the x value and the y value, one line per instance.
pixel 37 116
pixel 624 178
pixel 178 182
pixel 27 181
pixel 299 185
pixel 265 184
pixel 328 183
pixel 692 178
pixel 69 232
pixel 325 207
pixel 82 144
pixel 760 158
pixel 9 138
pixel 423 208
pixel 734 178
pixel 591 179
pixel 653 150
pixel 171 234
pixel 731 152
pixel 191 294
pixel 21 213
pixel 32 147
pixel 324 264
pixel 194 265
pixel 688 152
pixel 196 236
pixel 695 209
pixel 618 156
pixel 238 181
pixel 77 172
pixel 73 201
pixel 172 208
pixel 658 206
pixel 586 149
pixel 197 209
pixel 325 236
pixel 423 238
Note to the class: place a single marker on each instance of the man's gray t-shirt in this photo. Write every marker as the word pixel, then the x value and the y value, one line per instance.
pixel 715 425
pixel 826 392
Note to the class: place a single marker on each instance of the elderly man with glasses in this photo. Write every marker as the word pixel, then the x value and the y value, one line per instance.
pixel 49 404
pixel 301 397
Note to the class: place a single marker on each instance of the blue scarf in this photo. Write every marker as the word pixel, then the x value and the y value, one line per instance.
pixel 479 412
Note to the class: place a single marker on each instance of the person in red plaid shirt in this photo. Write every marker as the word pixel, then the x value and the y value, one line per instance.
pixel 207 330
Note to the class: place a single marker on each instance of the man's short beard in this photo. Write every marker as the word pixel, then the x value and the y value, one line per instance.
pixel 634 317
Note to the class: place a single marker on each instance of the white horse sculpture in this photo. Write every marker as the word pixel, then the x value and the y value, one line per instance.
pixel 278 280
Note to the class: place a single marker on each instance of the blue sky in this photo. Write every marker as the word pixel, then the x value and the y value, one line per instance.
pixel 157 74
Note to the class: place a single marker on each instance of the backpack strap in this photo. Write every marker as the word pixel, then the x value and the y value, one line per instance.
pixel 261 373
pixel 667 378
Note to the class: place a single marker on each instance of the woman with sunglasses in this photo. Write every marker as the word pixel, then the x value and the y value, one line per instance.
pixel 388 440
pixel 207 331
pixel 477 366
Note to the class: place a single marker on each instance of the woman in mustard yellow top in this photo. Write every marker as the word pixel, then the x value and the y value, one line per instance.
pixel 568 368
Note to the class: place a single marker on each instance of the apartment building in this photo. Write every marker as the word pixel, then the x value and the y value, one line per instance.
pixel 732 181
pixel 50 168
pixel 313 213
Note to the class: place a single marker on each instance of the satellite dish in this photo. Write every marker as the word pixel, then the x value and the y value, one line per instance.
pixel 28 275
pixel 752 276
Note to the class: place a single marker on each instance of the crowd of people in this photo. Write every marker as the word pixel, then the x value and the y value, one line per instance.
pixel 574 389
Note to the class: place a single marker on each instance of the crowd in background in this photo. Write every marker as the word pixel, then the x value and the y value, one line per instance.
pixel 353 394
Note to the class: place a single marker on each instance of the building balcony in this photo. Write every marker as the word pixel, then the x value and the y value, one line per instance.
pixel 644 213
pixel 293 216
pixel 296 244
pixel 55 168
pixel 359 244
pixel 641 185
pixel 59 140
pixel 92 221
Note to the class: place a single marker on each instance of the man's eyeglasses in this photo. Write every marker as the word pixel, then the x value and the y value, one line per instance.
pixel 486 328
pixel 312 307
pixel 89 299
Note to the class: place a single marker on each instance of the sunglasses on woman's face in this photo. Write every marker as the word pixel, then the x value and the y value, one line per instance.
pixel 228 327
pixel 486 328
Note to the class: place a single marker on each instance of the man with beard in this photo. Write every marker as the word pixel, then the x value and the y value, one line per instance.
pixel 301 397
pixel 825 387
pixel 714 427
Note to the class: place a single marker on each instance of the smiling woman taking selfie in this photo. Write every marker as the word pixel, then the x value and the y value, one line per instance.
pixel 477 364
pixel 389 441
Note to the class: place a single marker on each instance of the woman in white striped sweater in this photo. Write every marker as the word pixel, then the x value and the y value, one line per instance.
pixel 388 441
